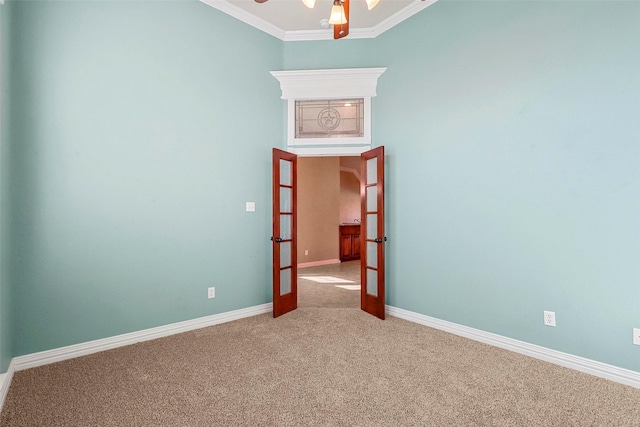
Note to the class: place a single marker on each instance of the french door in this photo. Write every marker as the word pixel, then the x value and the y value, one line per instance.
pixel 285 271
pixel 372 289
pixel 284 237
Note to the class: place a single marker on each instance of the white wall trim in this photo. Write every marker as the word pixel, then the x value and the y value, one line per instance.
pixel 327 151
pixel 246 17
pixel 598 369
pixel 307 35
pixel 69 352
pixel 401 15
pixel 314 35
pixel 82 349
pixel 336 84
pixel 5 382
pixel 329 83
pixel 318 263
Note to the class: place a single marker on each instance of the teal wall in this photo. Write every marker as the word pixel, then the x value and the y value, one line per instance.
pixel 140 132
pixel 5 229
pixel 512 134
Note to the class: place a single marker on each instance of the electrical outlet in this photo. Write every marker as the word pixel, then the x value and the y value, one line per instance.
pixel 636 336
pixel 550 318
pixel 306 251
pixel 211 293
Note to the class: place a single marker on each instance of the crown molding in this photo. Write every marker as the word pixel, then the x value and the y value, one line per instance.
pixel 307 35
pixel 314 35
pixel 401 15
pixel 246 17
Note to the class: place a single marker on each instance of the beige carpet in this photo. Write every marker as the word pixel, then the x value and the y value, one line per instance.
pixel 314 367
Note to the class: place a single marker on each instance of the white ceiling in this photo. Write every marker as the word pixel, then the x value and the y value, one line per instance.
pixel 291 20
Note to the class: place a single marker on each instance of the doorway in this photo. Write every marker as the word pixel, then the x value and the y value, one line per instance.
pixel 285 229
pixel 328 198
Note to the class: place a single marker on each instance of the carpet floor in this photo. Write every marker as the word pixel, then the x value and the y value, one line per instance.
pixel 330 286
pixel 314 367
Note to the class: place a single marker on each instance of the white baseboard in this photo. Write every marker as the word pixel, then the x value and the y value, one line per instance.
pixel 69 352
pixel 82 349
pixel 5 382
pixel 603 370
pixel 599 369
pixel 317 263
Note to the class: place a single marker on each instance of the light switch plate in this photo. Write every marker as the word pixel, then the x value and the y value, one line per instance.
pixel 251 206
pixel 636 336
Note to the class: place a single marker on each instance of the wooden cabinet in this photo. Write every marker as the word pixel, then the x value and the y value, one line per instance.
pixel 349 242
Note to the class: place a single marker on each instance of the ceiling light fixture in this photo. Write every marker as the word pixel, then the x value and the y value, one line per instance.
pixel 311 3
pixel 370 3
pixel 339 17
pixel 337 14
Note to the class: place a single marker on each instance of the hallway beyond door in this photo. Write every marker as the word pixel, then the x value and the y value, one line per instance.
pixel 330 286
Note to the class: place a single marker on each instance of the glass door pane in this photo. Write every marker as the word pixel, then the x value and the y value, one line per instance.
pixel 372 264
pixel 285 290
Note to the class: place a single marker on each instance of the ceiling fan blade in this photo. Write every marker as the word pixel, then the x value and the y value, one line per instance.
pixel 260 1
pixel 342 30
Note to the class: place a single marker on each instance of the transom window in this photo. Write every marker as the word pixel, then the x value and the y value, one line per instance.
pixel 330 118
pixel 329 111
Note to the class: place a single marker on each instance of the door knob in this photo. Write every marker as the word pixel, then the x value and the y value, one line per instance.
pixel 276 239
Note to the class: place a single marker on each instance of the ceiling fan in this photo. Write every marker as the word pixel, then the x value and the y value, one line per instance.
pixel 339 15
